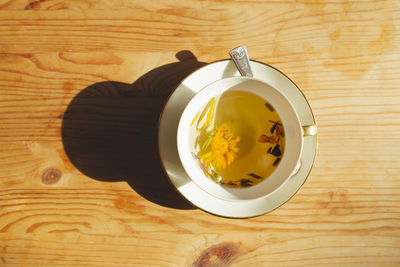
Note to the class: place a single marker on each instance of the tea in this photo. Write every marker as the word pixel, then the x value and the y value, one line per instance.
pixel 240 139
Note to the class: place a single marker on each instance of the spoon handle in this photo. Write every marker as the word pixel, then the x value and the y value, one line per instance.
pixel 241 58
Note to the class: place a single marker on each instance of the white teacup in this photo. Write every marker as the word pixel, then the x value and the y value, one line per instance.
pixel 289 163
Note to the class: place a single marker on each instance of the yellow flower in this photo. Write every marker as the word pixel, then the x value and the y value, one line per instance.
pixel 223 151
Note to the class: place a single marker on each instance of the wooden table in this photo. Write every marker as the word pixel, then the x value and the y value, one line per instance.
pixel 83 82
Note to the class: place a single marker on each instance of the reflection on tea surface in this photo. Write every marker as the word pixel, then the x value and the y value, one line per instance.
pixel 240 139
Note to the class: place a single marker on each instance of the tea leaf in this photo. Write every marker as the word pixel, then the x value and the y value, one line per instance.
pixel 269 150
pixel 279 122
pixel 275 122
pixel 245 182
pixel 276 151
pixel 279 130
pixel 269 106
pixel 276 161
pixel 255 176
pixel 272 130
pixel 266 139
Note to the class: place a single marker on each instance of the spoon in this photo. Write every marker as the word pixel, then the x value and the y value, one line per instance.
pixel 241 58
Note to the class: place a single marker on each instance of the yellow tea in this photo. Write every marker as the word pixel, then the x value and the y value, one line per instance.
pixel 240 139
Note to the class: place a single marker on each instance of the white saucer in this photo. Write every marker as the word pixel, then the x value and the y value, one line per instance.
pixel 168 147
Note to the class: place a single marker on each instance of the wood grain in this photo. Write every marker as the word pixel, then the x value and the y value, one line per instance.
pixel 82 84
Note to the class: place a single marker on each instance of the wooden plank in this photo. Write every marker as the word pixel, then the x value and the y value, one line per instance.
pixel 82 84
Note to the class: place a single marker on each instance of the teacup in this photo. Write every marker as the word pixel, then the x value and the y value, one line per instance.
pixel 281 140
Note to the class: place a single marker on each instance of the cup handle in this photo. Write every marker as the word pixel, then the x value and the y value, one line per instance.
pixel 309 130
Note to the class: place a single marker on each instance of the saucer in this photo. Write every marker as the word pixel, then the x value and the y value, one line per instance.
pixel 168 146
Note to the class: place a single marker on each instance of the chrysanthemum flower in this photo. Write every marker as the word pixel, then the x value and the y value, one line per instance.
pixel 223 148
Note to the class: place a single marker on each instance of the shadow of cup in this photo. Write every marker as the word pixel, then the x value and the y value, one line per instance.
pixel 110 131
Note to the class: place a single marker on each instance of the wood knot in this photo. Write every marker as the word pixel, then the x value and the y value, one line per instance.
pixel 51 176
pixel 218 255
